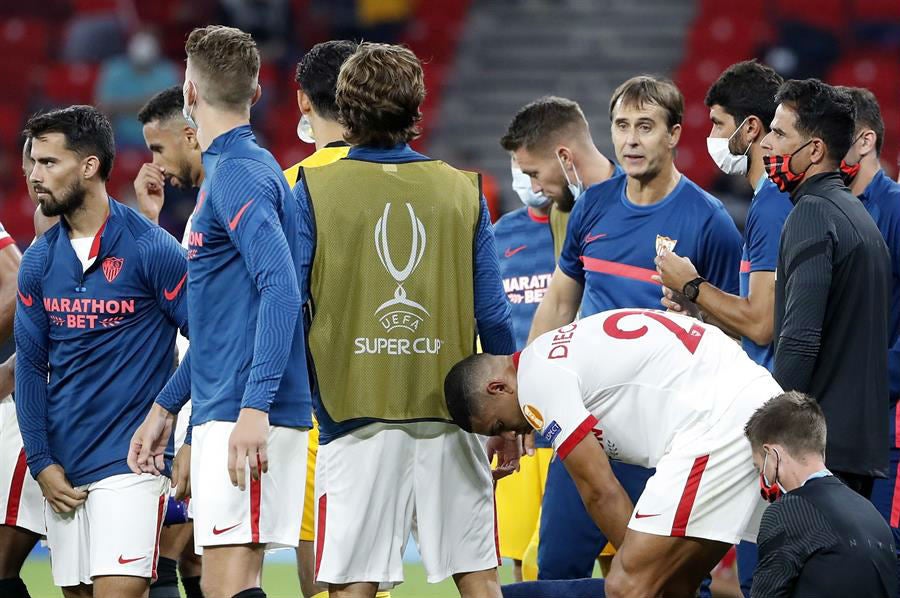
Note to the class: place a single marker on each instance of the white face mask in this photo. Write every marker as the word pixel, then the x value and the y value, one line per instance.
pixel 576 188
pixel 305 130
pixel 521 184
pixel 722 156
pixel 188 111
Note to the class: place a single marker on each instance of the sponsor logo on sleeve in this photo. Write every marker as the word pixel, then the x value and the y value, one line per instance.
pixel 551 431
pixel 534 416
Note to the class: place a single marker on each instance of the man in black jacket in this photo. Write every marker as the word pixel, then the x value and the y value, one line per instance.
pixel 832 281
pixel 818 538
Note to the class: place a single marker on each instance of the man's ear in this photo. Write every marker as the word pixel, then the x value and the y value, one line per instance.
pixel 190 138
pixel 755 130
pixel 497 387
pixel 257 94
pixel 674 136
pixel 869 141
pixel 303 102
pixel 90 166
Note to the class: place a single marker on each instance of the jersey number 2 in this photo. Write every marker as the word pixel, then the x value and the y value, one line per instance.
pixel 689 338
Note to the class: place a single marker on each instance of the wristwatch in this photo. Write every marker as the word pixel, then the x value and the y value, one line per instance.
pixel 692 289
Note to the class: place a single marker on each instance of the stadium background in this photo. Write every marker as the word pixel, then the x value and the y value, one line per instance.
pixel 483 60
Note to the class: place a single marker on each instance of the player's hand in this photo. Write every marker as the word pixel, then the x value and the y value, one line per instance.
pixel 8 376
pixel 60 494
pixel 678 303
pixel 674 271
pixel 148 187
pixel 508 452
pixel 247 444
pixel 181 473
pixel 146 453
pixel 528 444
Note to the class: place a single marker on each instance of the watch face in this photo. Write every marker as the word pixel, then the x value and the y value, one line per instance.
pixel 691 290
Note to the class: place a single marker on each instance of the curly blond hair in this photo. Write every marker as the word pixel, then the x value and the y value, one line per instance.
pixel 380 91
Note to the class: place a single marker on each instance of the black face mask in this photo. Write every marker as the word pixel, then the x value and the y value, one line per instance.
pixel 778 169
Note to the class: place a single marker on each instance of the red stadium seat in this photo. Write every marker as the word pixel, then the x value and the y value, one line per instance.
pixel 94 6
pixel 873 70
pixel 24 40
pixel 876 10
pixel 71 83
pixel 823 14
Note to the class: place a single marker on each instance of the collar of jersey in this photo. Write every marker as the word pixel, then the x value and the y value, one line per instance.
pixel 623 197
pixel 875 186
pixel 220 143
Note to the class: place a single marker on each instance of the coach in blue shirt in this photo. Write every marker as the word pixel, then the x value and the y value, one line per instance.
pixel 615 232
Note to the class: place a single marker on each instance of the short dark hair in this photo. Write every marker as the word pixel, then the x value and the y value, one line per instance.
pixel 461 390
pixel 541 122
pixel 746 89
pixel 823 111
pixel 317 74
pixel 227 61
pixel 86 130
pixel 656 91
pixel 162 106
pixel 791 419
pixel 868 114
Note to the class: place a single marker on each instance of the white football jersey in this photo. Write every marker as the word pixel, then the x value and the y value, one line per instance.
pixel 634 378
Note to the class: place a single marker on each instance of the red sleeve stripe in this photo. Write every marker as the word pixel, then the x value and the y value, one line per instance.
pixel 686 504
pixel 6 240
pixel 575 437
pixel 745 266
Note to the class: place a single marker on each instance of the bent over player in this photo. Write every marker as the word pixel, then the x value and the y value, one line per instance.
pixel 98 305
pixel 647 388
pixel 244 302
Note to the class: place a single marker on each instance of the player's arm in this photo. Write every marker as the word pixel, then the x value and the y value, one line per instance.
pixel 562 300
pixel 751 316
pixel 492 311
pixel 604 497
pixel 807 280
pixel 164 262
pixel 9 269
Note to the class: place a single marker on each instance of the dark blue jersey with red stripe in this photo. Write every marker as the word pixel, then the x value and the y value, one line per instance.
pixel 525 251
pixel 768 211
pixel 611 243
pixel 248 348
pixel 94 347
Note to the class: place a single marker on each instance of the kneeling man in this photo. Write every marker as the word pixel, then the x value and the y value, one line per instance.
pixel 645 387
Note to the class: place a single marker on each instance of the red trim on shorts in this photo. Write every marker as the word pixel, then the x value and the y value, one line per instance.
pixel 15 490
pixel 895 499
pixel 255 495
pixel 320 531
pixel 897 425
pixel 516 357
pixel 95 245
pixel 496 529
pixel 686 504
pixel 575 437
pixel 6 241
pixel 160 517
pixel 618 269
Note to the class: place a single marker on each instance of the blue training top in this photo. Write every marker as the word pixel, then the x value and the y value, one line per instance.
pixel 105 337
pixel 611 243
pixel 768 211
pixel 248 348
pixel 492 312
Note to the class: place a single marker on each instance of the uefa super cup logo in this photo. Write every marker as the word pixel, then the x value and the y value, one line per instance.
pixel 401 311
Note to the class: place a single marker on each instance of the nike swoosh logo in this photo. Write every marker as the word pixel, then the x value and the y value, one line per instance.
pixel 170 295
pixel 645 515
pixel 589 238
pixel 124 561
pixel 28 301
pixel 237 217
pixel 217 531
pixel 511 252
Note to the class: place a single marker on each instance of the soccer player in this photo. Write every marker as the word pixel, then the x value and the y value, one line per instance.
pixel 861 170
pixel 832 289
pixel 741 105
pixel 615 232
pixel 316 79
pixel 99 304
pixel 642 387
pixel 551 141
pixel 21 507
pixel 251 410
pixel 525 251
pixel 176 159
pixel 403 268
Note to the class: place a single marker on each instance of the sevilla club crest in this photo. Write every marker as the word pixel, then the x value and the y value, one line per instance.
pixel 112 266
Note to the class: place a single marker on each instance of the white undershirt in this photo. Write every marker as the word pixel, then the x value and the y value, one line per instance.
pixel 82 249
